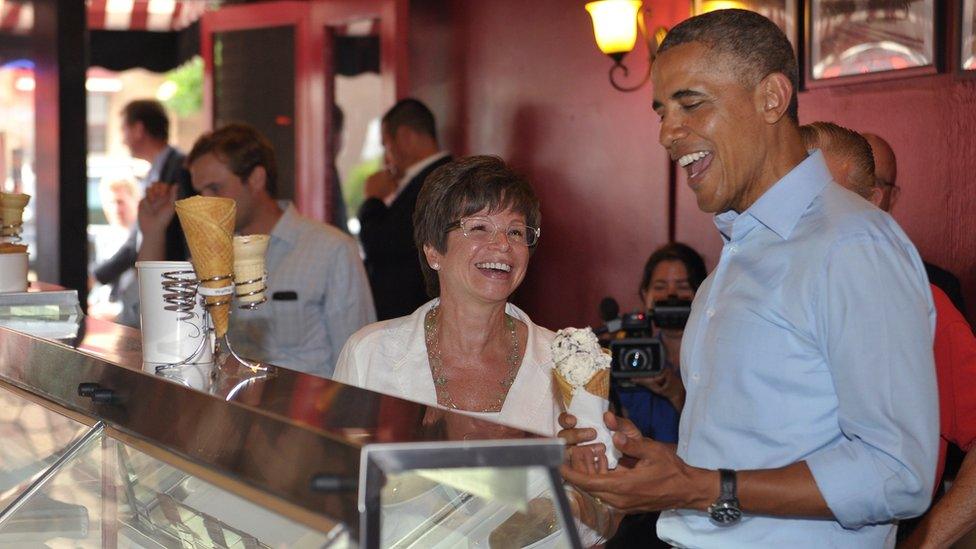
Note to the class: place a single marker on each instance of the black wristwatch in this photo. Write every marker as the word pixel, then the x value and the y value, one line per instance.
pixel 725 511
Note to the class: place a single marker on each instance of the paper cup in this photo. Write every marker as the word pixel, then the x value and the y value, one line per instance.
pixel 13 272
pixel 167 337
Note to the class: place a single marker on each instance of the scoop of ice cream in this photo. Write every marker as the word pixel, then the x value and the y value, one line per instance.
pixel 577 355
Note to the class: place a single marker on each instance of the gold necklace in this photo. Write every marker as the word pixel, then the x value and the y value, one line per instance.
pixel 444 398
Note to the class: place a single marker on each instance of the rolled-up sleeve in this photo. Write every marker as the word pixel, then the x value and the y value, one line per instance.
pixel 876 320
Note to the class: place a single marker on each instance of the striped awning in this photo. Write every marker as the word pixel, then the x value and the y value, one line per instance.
pixel 17 16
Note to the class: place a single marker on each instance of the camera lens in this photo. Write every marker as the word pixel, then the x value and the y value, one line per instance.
pixel 635 359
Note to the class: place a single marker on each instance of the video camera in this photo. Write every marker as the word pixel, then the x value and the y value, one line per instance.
pixel 639 353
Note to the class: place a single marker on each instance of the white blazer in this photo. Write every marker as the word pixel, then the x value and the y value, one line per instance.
pixel 390 357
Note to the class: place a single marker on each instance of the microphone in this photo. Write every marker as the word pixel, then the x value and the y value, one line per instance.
pixel 609 309
pixel 610 314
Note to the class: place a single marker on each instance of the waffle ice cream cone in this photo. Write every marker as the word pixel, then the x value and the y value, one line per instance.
pixel 12 211
pixel 564 388
pixel 249 265
pixel 581 374
pixel 599 384
pixel 208 223
pixel 579 363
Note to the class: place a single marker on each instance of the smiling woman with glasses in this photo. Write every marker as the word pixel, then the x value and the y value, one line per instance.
pixel 476 225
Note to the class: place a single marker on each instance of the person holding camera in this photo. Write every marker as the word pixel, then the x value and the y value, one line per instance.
pixel 672 274
pixel 673 271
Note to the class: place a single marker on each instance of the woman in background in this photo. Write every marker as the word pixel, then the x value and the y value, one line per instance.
pixel 673 270
pixel 655 403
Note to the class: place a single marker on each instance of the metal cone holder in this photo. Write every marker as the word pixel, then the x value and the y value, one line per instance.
pixel 183 288
pixel 251 305
pixel 180 294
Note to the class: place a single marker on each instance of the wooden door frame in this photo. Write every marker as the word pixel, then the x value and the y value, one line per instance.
pixel 314 72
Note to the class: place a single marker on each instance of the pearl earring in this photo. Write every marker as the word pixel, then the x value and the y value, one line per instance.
pixel 435 266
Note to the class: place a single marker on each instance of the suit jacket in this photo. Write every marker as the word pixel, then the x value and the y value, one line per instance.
pixel 392 263
pixel 172 172
pixel 948 283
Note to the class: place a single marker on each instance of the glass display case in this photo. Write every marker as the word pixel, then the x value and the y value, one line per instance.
pixel 100 453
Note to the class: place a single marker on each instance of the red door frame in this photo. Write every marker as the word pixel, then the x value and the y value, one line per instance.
pixel 314 74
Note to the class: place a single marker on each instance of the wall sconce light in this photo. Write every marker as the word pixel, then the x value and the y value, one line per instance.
pixel 616 24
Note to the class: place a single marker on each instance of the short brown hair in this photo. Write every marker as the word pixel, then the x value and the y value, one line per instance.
pixel 756 42
pixel 151 114
pixel 242 148
pixel 410 113
pixel 465 187
pixel 844 144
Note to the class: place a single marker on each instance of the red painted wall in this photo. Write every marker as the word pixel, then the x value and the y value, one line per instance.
pixel 524 80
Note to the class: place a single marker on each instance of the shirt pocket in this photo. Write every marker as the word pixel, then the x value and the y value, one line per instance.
pixel 288 323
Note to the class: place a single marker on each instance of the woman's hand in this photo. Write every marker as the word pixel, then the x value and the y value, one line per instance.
pixel 668 385
pixel 592 458
pixel 588 458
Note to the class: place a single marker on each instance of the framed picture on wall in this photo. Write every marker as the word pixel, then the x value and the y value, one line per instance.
pixel 967 38
pixel 862 40
pixel 782 12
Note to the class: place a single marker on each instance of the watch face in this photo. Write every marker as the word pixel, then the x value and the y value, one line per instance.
pixel 725 512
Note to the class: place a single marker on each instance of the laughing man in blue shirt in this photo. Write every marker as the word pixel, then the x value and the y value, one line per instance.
pixel 811 417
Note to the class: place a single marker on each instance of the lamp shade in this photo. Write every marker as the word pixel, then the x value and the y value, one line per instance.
pixel 715 5
pixel 614 25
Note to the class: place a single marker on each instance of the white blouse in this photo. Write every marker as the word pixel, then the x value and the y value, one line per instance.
pixel 390 357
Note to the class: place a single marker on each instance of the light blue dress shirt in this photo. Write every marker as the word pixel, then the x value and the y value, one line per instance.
pixel 812 341
pixel 318 296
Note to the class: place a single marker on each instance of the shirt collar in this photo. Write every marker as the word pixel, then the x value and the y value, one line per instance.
pixel 411 338
pixel 420 166
pixel 782 205
pixel 287 227
pixel 156 168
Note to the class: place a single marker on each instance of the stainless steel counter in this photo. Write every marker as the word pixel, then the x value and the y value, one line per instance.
pixel 311 450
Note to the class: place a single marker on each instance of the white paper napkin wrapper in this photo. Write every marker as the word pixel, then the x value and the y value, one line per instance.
pixel 588 409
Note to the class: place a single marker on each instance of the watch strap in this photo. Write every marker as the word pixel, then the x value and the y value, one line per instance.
pixel 727 485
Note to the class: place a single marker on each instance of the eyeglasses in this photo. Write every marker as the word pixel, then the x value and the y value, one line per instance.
pixel 482 229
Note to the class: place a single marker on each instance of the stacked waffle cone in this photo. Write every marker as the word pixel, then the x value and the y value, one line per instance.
pixel 249 265
pixel 12 211
pixel 208 223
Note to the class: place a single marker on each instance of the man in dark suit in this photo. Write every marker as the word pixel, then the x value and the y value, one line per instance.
pixel 386 215
pixel 145 131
